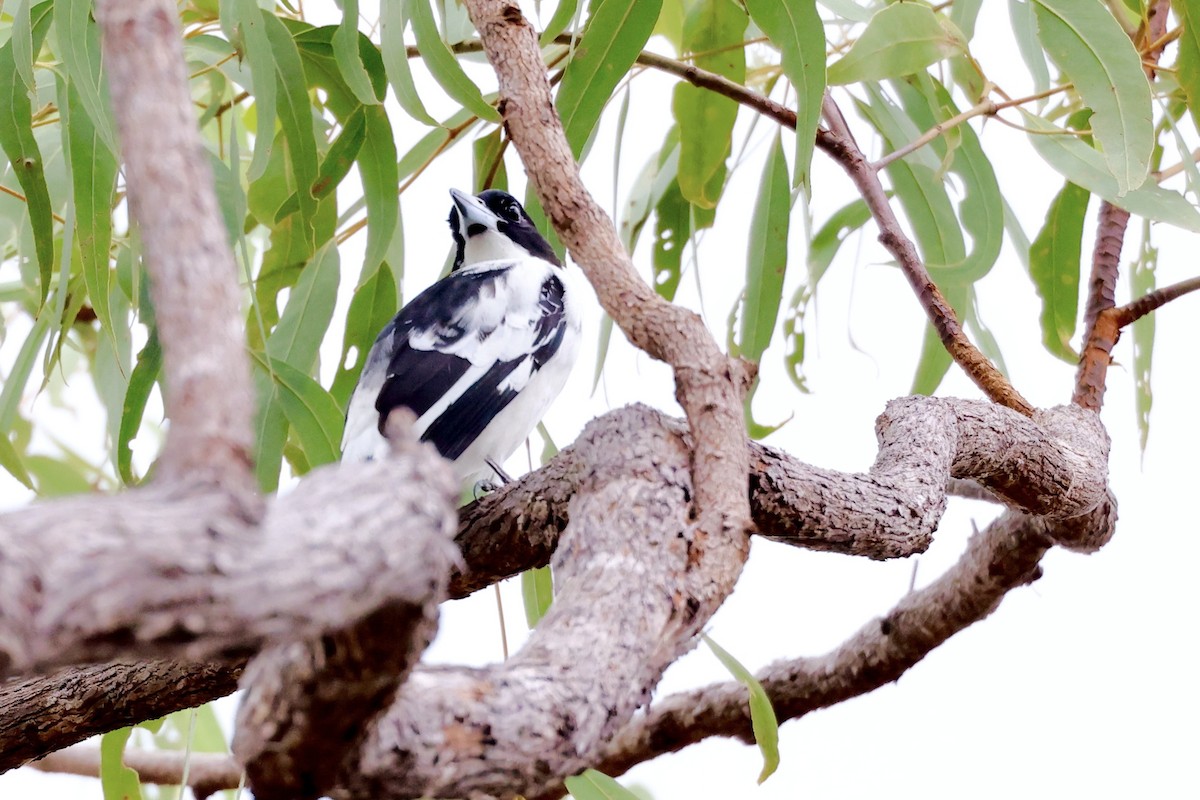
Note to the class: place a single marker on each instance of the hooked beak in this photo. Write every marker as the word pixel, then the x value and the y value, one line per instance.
pixel 476 217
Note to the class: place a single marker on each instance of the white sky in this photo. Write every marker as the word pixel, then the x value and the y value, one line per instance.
pixel 1079 686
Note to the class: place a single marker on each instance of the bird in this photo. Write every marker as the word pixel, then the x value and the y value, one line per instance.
pixel 481 354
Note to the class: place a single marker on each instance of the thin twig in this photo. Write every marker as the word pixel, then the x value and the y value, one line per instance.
pixel 1133 311
pixel 984 108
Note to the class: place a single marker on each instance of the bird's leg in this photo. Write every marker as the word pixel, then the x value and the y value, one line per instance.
pixel 501 474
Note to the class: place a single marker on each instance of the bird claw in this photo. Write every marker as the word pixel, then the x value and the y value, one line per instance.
pixel 500 474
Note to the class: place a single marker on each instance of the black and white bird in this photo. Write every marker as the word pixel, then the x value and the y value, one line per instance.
pixel 479 355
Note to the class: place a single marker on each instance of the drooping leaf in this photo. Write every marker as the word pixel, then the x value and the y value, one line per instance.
pixel 1024 25
pixel 1082 165
pixel 373 305
pixel 246 24
pixel 141 383
pixel 443 65
pixel 829 237
pixel 899 40
pixel 312 413
pixel 377 168
pixel 93 170
pixel 672 229
pixel 57 478
pixel 392 22
pixel 796 29
pixel 345 49
pixel 19 144
pixel 1054 264
pixel 337 162
pixel 537 590
pixel 78 44
pixel 295 116
pixel 594 785
pixel 766 259
pixel 1141 283
pixel 705 118
pixel 611 42
pixel 564 12
pixel 295 340
pixel 1188 60
pixel 12 462
pixel 488 162
pixel 762 714
pixel 117 781
pixel 1090 47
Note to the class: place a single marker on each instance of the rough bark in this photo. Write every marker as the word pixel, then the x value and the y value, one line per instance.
pixel 193 282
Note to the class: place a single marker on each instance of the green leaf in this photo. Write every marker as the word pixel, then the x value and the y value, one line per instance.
pixel 611 42
pixel 141 383
pixel 1089 46
pixel 443 65
pixel 295 340
pixel 794 26
pixel 117 781
pixel 899 40
pixel 373 305
pixel 337 162
pixel 1188 61
pixel 19 144
pixel 392 22
pixel 828 239
pixel 345 50
pixel 1054 264
pixel 1082 165
pixel 1024 25
pixel 766 259
pixel 57 478
pixel 672 230
pixel 11 460
pixel 18 375
pixel 935 360
pixel 762 715
pixel 537 590
pixel 78 45
pixel 24 49
pixel 488 161
pixel 564 12
pixel 296 119
pixel 247 25
pixel 93 169
pixel 313 414
pixel 1141 283
pixel 705 118
pixel 377 168
pixel 594 785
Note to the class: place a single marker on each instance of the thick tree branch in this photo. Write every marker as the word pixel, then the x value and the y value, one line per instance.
pixel 192 275
pixel 47 713
pixel 1000 558
pixel 164 572
pixel 1100 329
pixel 709 385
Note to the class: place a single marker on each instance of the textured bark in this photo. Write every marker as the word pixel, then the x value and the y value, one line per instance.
pixel 47 713
pixel 708 385
pixel 163 572
pixel 308 703
pixel 1101 331
pixel 625 608
pixel 192 273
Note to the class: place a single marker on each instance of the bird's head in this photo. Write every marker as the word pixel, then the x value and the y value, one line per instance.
pixel 493 225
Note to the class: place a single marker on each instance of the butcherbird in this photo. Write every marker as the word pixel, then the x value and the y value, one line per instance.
pixel 479 355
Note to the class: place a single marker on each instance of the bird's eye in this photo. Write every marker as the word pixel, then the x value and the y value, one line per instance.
pixel 512 212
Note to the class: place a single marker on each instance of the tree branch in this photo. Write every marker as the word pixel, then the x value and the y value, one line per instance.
pixel 1131 312
pixel 193 281
pixel 1100 329
pixel 206 773
pixel 839 143
pixel 709 385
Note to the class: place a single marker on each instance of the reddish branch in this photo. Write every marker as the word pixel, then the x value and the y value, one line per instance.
pixel 1131 312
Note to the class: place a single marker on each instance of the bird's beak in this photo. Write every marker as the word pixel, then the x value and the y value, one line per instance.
pixel 476 217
